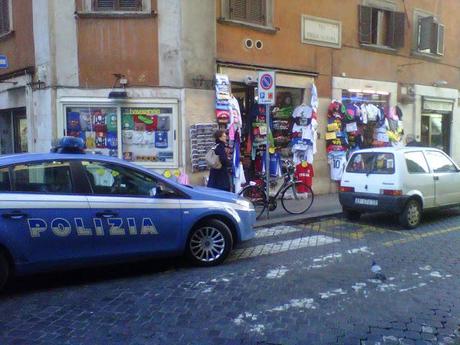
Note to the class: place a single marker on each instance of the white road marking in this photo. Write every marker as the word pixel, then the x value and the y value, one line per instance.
pixel 282 246
pixel 277 230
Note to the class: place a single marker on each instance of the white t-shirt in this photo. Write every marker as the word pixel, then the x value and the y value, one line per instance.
pixel 337 160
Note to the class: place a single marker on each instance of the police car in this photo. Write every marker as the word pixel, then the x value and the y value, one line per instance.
pixel 69 208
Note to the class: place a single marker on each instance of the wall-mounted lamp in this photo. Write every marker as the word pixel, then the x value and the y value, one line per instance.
pixel 120 94
pixel 438 83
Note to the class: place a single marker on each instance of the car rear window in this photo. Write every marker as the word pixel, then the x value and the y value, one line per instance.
pixel 371 163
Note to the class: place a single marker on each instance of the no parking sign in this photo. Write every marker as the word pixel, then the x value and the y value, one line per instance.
pixel 266 87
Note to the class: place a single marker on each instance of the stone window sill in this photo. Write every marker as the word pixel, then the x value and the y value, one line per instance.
pixel 116 14
pixel 257 27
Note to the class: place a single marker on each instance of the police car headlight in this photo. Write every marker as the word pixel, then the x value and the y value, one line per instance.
pixel 245 203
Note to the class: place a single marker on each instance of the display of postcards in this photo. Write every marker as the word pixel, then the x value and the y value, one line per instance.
pixel 90 140
pixel 112 142
pixel 111 120
pixel 163 123
pixel 127 121
pixel 73 121
pixel 161 139
pixel 127 136
pixel 101 140
pixel 85 120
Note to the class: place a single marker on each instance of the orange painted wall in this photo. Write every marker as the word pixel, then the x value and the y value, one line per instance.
pixel 126 46
pixel 19 45
pixel 285 50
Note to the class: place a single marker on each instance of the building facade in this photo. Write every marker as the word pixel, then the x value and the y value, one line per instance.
pixel 131 77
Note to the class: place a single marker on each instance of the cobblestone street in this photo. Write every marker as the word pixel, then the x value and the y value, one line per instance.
pixel 298 283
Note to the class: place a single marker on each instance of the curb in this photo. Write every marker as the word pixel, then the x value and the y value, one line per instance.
pixel 292 219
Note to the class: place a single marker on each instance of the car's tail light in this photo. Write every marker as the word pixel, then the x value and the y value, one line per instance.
pixel 346 189
pixel 391 192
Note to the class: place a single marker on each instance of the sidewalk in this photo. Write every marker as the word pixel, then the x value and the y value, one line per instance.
pixel 323 205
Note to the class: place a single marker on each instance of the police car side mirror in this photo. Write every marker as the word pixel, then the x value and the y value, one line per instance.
pixel 153 191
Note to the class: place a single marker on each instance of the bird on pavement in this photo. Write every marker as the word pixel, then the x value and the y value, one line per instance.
pixel 377 271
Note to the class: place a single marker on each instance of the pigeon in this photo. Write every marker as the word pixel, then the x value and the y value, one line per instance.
pixel 377 270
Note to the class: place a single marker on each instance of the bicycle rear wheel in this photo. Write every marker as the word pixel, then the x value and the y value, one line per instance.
pixel 297 198
pixel 256 195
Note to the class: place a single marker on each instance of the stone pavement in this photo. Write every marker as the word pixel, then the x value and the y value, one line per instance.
pixel 323 205
pixel 296 283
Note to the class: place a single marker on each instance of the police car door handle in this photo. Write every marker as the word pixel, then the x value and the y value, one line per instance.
pixel 106 214
pixel 14 215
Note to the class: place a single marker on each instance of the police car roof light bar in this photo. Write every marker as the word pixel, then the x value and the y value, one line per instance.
pixel 68 144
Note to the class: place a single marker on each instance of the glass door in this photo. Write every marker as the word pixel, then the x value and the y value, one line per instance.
pixel 435 131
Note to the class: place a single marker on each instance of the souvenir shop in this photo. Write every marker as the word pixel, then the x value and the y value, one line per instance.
pixel 291 133
pixel 360 118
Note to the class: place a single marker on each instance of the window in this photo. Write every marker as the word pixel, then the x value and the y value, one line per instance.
pixel 430 35
pixel 4 17
pixel 117 5
pixel 416 163
pixel 439 162
pixel 371 163
pixel 381 27
pixel 45 177
pixel 142 134
pixel 257 14
pixel 4 180
pixel 111 179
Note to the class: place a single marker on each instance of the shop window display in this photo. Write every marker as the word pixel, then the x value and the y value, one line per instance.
pixel 360 120
pixel 147 134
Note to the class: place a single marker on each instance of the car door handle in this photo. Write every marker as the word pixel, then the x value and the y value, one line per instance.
pixel 436 178
pixel 14 215
pixel 106 214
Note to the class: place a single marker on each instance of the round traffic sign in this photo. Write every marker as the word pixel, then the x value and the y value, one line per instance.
pixel 266 81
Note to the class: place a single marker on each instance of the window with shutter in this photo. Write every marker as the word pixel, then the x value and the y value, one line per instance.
pixel 117 5
pixel 430 38
pixel 381 27
pixel 4 16
pixel 252 11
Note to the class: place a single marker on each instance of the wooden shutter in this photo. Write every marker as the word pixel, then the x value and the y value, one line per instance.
pixel 425 33
pixel 395 30
pixel 256 11
pixel 439 31
pixel 117 5
pixel 365 24
pixel 4 16
pixel 238 9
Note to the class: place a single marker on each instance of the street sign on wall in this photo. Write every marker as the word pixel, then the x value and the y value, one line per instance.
pixel 3 61
pixel 266 87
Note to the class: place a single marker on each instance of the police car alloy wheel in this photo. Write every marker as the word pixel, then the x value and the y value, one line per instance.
pixel 4 270
pixel 209 243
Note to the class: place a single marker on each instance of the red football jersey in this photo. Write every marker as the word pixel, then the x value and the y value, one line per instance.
pixel 304 174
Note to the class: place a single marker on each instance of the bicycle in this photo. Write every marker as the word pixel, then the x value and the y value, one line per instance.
pixel 296 196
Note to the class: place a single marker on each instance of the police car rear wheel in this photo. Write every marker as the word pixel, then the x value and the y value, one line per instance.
pixel 209 243
pixel 4 270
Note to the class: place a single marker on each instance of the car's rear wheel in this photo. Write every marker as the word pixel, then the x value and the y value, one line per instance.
pixel 352 215
pixel 209 243
pixel 4 270
pixel 411 216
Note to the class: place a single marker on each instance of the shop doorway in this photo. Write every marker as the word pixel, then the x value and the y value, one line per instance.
pixel 435 131
pixel 13 131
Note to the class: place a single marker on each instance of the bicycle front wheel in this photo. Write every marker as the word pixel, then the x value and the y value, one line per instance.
pixel 297 198
pixel 256 195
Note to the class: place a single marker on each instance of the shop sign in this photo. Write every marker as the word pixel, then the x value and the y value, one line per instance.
pixel 321 31
pixel 3 61
pixel 437 105
pixel 266 87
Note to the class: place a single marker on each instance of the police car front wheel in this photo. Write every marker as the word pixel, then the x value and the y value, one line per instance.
pixel 209 243
pixel 4 270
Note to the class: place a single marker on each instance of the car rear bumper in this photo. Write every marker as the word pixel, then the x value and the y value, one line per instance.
pixel 366 202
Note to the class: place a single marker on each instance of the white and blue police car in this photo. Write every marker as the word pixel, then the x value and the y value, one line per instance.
pixel 67 209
